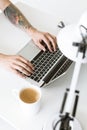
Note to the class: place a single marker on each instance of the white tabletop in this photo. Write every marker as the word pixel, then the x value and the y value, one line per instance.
pixel 52 95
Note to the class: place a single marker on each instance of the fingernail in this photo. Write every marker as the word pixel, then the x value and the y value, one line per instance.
pixel 44 49
pixel 51 50
pixel 55 49
pixel 33 68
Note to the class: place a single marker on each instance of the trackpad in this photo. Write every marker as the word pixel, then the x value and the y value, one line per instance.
pixel 29 51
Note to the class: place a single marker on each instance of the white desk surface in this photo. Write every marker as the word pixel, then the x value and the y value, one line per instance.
pixel 53 94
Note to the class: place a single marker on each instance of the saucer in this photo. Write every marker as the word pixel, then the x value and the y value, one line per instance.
pixel 6 125
pixel 53 119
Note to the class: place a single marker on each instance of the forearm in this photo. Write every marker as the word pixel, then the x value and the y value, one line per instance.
pixel 4 4
pixel 18 19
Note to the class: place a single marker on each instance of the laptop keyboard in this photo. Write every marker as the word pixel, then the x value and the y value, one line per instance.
pixel 53 64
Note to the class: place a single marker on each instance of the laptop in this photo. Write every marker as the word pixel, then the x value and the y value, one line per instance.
pixel 49 66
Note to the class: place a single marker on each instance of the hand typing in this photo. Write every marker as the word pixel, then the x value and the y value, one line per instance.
pixel 17 64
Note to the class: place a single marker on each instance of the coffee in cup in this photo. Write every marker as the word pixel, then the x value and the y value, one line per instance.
pixel 29 95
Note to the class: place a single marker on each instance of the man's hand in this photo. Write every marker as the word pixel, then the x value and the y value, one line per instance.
pixel 40 37
pixel 17 64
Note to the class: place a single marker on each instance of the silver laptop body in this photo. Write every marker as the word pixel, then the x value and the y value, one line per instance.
pixel 48 66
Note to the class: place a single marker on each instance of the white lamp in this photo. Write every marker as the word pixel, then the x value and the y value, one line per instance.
pixel 72 41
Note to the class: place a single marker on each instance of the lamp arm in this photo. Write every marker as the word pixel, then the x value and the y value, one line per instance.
pixel 76 72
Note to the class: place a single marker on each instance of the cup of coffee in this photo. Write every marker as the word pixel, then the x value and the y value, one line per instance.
pixel 29 99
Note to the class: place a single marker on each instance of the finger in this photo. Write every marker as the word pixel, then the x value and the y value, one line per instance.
pixel 47 42
pixel 41 46
pixel 25 61
pixel 18 73
pixel 53 41
pixel 21 69
pixel 24 65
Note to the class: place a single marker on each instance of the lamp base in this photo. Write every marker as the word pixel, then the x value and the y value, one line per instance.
pixel 50 123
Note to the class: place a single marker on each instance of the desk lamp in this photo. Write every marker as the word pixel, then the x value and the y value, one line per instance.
pixel 72 41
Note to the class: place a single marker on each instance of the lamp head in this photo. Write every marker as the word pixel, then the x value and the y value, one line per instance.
pixel 72 39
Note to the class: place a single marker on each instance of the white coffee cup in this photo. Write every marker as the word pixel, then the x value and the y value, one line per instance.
pixel 29 99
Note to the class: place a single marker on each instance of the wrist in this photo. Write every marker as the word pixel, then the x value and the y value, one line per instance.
pixel 1 56
pixel 31 31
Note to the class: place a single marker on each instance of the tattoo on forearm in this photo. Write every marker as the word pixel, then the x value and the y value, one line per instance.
pixel 16 17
